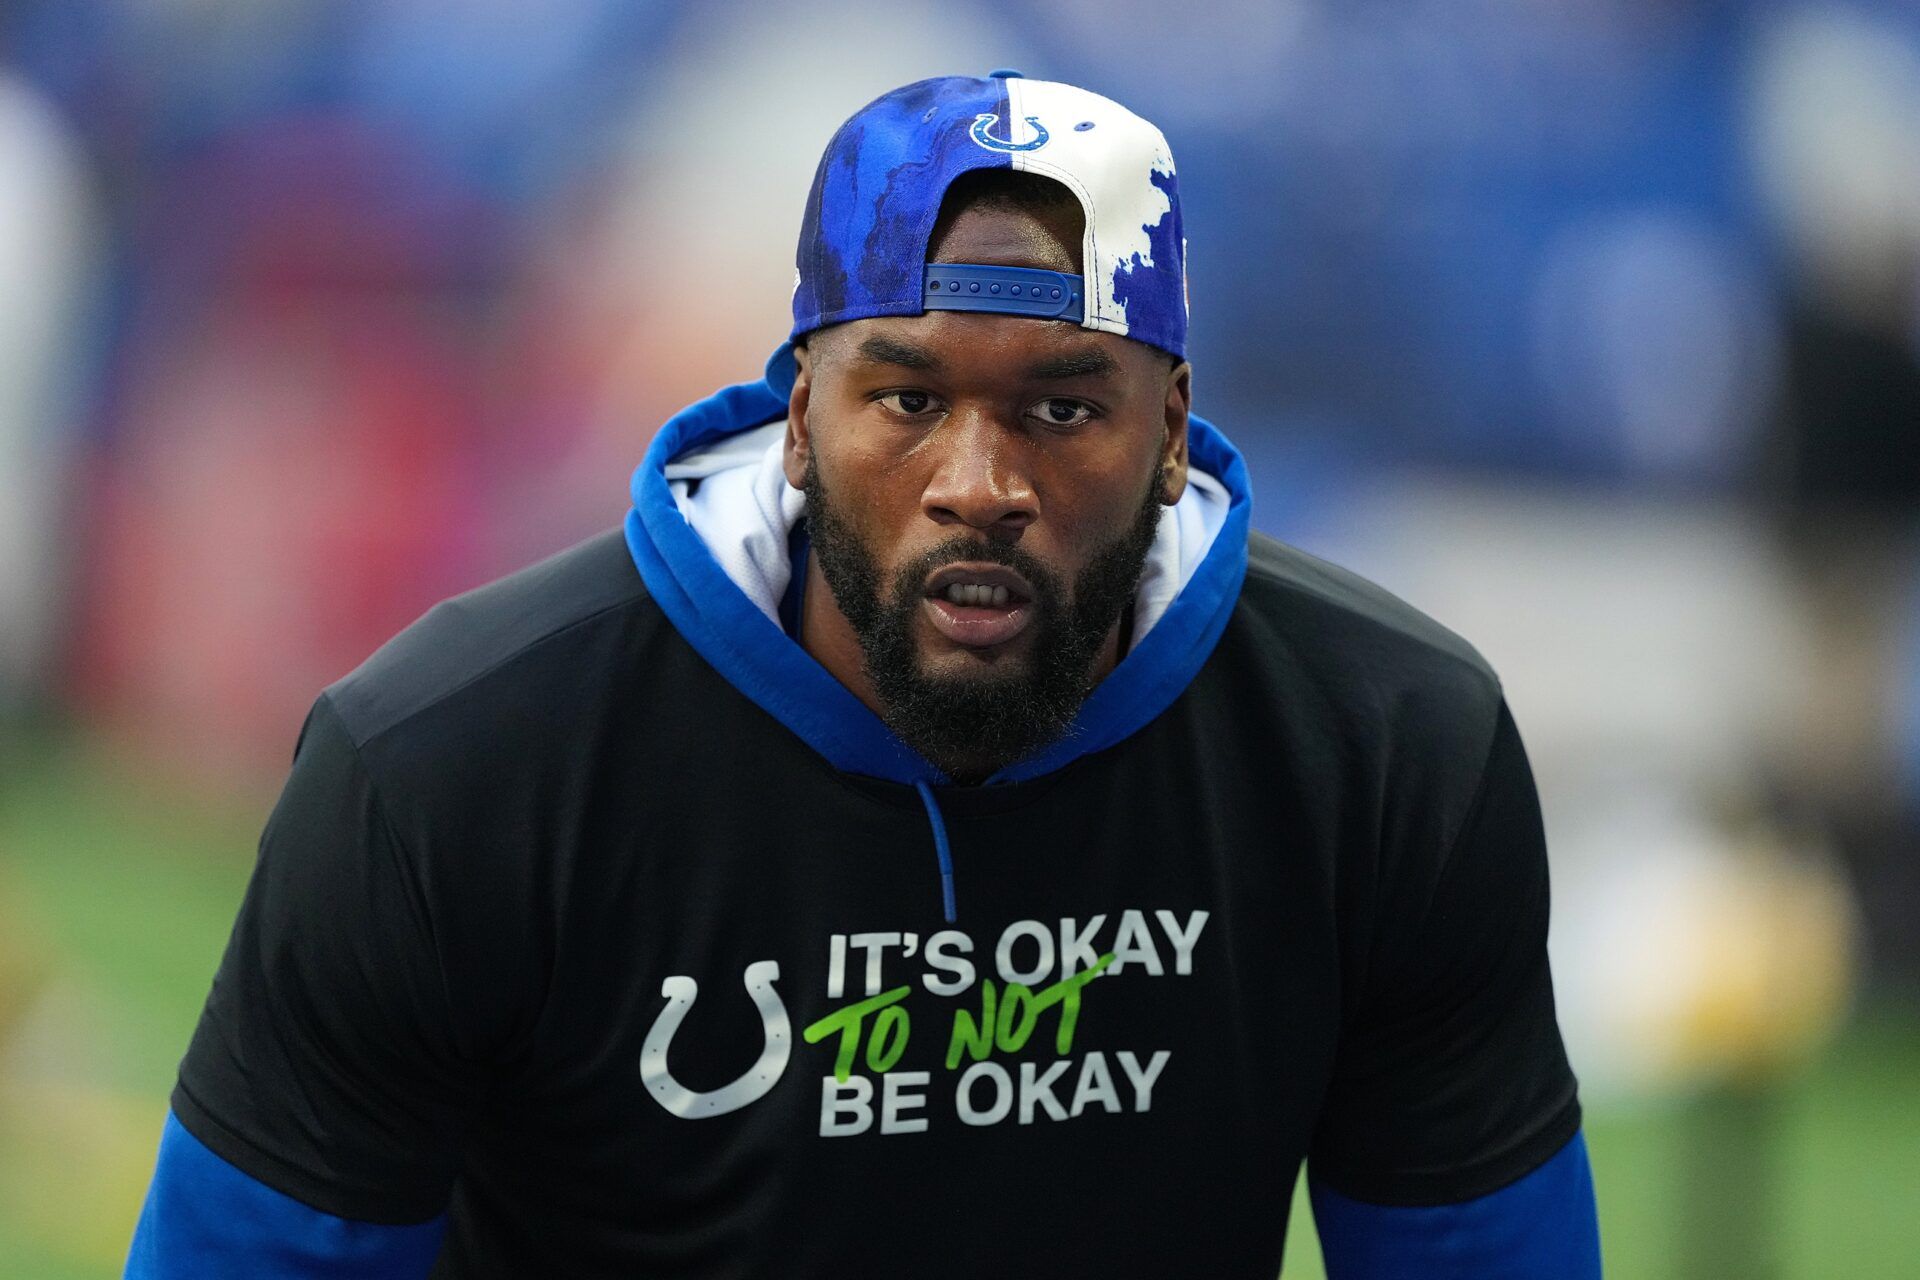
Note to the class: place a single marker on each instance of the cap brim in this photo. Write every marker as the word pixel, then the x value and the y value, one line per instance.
pixel 782 370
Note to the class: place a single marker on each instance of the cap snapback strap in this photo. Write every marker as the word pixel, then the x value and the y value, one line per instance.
pixel 1019 291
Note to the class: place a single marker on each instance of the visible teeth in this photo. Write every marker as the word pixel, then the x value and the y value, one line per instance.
pixel 977 595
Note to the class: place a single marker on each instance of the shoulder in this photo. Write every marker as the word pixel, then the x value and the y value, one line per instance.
pixel 1342 600
pixel 501 643
pixel 1356 654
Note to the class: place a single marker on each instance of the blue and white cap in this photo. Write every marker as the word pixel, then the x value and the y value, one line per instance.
pixel 877 193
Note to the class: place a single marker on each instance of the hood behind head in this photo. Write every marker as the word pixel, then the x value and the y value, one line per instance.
pixel 728 612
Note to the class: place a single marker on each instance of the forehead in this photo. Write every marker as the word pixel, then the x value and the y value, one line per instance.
pixel 961 344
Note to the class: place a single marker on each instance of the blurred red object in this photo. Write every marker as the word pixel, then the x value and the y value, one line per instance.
pixel 290 473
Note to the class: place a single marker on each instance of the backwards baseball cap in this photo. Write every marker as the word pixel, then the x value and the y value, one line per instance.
pixel 877 193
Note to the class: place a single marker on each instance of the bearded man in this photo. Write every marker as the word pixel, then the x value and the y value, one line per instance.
pixel 934 838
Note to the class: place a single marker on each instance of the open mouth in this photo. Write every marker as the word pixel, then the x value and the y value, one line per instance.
pixel 978 606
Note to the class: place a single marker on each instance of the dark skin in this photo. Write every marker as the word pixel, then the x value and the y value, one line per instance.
pixel 1035 433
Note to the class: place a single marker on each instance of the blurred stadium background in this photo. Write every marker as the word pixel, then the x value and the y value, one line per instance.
pixel 1591 328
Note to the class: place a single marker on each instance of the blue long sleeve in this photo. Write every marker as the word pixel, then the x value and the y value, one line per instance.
pixel 207 1220
pixel 1543 1227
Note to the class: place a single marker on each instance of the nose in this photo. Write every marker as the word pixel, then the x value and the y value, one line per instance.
pixel 980 478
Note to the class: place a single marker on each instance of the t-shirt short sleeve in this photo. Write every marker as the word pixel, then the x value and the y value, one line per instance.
pixel 1451 1080
pixel 326 1062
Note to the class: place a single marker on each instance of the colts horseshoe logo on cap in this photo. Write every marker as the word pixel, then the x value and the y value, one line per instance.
pixel 681 1101
pixel 982 134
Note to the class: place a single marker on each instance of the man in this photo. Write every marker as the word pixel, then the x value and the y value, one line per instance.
pixel 936 840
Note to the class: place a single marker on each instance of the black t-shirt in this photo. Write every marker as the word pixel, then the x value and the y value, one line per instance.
pixel 557 931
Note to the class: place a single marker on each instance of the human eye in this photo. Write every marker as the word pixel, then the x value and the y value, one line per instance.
pixel 907 403
pixel 1062 411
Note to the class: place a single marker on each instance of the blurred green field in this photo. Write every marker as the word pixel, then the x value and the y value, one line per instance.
pixel 116 897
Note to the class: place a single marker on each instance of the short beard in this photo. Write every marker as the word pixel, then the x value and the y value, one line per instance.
pixel 972 725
